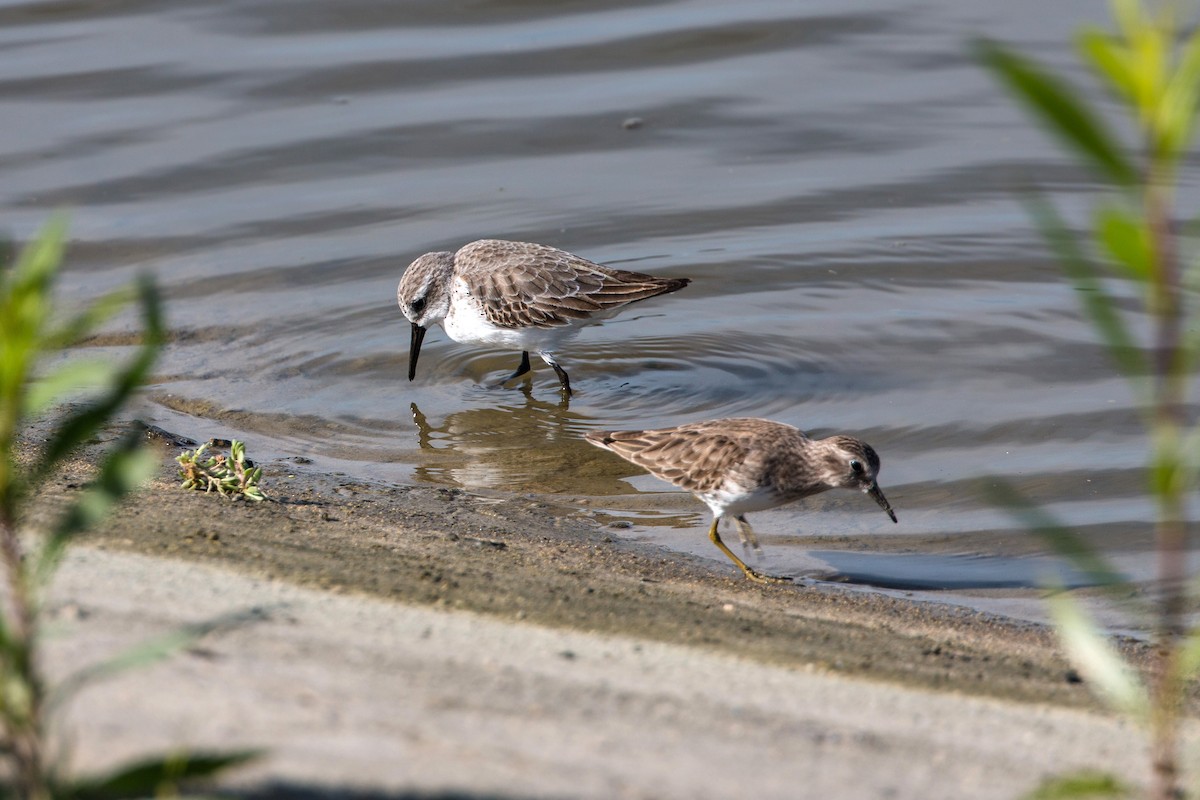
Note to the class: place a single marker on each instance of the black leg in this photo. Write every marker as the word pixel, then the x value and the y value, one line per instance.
pixel 521 370
pixel 560 372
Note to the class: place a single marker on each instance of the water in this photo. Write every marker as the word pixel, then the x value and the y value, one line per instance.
pixel 840 186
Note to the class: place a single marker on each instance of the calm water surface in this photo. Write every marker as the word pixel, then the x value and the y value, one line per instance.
pixel 837 179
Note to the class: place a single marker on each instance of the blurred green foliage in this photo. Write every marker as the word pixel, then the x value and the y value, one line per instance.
pixel 1152 71
pixel 31 337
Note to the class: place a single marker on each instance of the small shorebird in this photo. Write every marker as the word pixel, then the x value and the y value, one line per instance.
pixel 741 465
pixel 517 295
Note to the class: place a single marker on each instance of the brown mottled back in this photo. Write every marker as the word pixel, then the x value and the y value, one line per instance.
pixel 522 284
pixel 701 456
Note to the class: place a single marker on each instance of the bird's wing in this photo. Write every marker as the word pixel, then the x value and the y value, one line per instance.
pixel 698 457
pixel 521 285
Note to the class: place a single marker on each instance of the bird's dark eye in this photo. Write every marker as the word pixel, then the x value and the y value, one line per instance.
pixel 856 466
pixel 418 305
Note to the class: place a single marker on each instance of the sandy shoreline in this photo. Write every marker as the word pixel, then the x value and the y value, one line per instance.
pixel 354 696
pixel 557 660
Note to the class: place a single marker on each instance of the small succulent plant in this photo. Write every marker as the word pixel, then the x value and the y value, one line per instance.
pixel 230 476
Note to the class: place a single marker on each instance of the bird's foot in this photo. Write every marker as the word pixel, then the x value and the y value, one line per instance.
pixel 762 577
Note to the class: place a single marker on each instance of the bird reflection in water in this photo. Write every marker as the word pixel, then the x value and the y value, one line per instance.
pixel 536 446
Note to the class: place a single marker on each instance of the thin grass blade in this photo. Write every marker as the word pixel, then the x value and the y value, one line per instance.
pixel 1098 661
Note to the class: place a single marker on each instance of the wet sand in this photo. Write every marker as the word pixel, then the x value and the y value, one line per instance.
pixel 547 657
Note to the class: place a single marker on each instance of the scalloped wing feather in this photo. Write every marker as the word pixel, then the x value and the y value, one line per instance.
pixel 698 457
pixel 521 284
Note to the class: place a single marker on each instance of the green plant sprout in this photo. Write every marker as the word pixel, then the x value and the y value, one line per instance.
pixel 31 334
pixel 1153 73
pixel 229 476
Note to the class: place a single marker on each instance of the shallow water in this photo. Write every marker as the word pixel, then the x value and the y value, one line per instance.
pixel 840 186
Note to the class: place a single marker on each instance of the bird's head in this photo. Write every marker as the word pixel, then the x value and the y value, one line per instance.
pixel 424 297
pixel 853 464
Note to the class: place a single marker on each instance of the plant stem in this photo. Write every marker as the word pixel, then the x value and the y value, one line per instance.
pixel 21 716
pixel 1168 421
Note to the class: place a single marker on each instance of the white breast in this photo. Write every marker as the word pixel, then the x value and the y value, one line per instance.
pixel 466 323
pixel 734 500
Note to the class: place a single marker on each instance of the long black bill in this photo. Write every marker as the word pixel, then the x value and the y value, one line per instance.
pixel 877 494
pixel 414 350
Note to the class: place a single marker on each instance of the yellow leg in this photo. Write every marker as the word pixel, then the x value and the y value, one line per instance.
pixel 753 575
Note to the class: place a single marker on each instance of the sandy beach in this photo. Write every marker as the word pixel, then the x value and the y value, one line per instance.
pixel 423 642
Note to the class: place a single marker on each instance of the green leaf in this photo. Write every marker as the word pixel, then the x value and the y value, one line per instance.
pixel 81 425
pixel 1097 303
pixel 1056 104
pixel 1111 59
pixel 38 262
pixel 1096 658
pixel 81 375
pixel 1127 240
pixel 1080 785
pixel 28 297
pixel 1177 115
pixel 157 777
pixel 1150 45
pixel 24 308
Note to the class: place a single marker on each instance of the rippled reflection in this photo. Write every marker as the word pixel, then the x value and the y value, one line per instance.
pixel 530 446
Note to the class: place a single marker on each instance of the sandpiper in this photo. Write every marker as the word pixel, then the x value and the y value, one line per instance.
pixel 517 295
pixel 741 465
